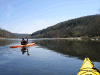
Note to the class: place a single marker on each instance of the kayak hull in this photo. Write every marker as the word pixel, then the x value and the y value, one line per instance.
pixel 87 68
pixel 31 44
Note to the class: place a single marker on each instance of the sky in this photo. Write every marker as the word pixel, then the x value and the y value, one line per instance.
pixel 28 16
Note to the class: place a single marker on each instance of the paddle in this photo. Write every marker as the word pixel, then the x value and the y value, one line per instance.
pixel 28 37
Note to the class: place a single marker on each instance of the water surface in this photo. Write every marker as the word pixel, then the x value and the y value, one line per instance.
pixel 47 57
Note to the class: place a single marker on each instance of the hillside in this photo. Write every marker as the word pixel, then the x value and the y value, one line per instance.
pixel 6 34
pixel 21 35
pixel 84 26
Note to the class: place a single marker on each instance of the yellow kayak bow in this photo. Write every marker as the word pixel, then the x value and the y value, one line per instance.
pixel 87 68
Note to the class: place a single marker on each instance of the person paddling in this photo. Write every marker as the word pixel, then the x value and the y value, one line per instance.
pixel 23 42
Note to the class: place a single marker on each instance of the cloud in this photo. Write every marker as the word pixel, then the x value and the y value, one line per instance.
pixel 9 10
pixel 46 23
pixel 40 24
pixel 99 10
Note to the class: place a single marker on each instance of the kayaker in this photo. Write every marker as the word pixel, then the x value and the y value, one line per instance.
pixel 23 42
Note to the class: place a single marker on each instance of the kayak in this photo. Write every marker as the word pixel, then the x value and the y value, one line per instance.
pixel 31 44
pixel 87 68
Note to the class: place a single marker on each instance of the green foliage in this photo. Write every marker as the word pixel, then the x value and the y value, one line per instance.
pixel 77 27
pixel 83 26
pixel 71 33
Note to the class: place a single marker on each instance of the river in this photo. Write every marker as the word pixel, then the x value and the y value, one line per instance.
pixel 47 57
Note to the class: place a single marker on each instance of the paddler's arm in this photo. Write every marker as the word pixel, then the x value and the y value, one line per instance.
pixel 27 39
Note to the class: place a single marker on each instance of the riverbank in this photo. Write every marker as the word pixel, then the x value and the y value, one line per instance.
pixel 58 38
pixel 72 38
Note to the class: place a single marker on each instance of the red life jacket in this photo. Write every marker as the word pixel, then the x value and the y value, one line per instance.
pixel 22 43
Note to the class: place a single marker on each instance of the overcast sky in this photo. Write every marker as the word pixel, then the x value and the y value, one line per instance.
pixel 28 16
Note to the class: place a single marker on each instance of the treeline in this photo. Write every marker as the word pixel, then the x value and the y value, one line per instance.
pixel 6 34
pixel 84 26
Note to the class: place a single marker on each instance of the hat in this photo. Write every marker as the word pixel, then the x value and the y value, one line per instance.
pixel 23 38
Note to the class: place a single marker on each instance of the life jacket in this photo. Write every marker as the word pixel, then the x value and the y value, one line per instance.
pixel 22 43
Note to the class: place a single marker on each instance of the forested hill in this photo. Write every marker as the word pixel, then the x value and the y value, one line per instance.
pixel 84 26
pixel 6 34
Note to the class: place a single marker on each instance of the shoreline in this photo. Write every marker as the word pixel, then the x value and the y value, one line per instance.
pixel 56 38
pixel 71 38
pixel 74 38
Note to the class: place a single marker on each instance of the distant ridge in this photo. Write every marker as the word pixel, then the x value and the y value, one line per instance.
pixel 87 26
pixel 21 35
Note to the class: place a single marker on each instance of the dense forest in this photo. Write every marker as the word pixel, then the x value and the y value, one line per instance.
pixel 6 34
pixel 87 26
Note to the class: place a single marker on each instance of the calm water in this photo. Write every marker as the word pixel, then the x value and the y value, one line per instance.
pixel 47 57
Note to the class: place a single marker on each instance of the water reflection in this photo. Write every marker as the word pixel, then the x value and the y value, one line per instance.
pixel 4 42
pixel 45 62
pixel 24 50
pixel 73 48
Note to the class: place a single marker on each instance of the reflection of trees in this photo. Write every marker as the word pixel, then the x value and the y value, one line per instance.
pixel 75 48
pixel 4 49
pixel 4 42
